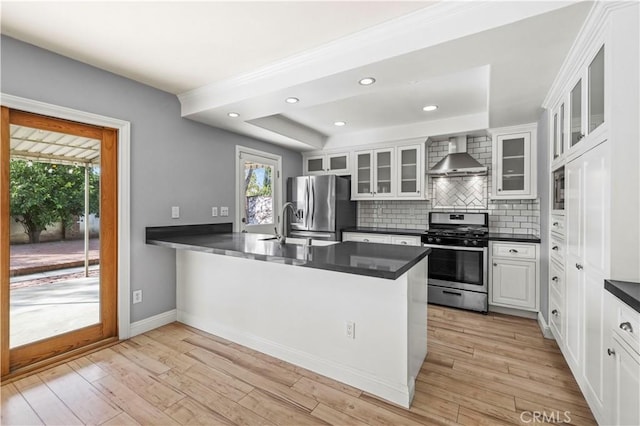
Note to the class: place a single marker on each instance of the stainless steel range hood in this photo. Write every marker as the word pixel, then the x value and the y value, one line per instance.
pixel 457 162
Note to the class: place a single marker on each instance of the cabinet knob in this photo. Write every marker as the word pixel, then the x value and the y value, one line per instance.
pixel 554 312
pixel 555 248
pixel 579 267
pixel 626 326
pixel 499 189
pixel 554 279
pixel 555 223
pixel 611 352
pixel 513 251
pixel 495 264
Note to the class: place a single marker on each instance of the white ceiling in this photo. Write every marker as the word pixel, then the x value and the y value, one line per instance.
pixel 485 64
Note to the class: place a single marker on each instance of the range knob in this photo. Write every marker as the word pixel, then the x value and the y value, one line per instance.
pixel 465 242
pixel 438 240
pixel 474 242
pixel 430 239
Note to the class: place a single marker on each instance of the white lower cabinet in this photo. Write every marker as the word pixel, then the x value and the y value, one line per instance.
pixel 622 374
pixel 514 275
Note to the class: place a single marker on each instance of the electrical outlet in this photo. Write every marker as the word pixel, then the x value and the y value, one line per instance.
pixel 175 212
pixel 224 211
pixel 350 329
pixel 137 296
pixel 214 211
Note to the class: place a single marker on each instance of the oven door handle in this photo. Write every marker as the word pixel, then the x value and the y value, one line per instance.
pixel 455 247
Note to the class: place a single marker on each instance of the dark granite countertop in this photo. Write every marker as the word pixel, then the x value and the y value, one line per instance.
pixel 375 260
pixel 516 238
pixel 394 231
pixel 627 291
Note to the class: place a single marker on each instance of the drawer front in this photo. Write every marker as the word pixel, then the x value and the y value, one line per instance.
pixel 627 325
pixel 406 240
pixel 557 224
pixel 514 251
pixel 557 249
pixel 366 238
pixel 556 319
pixel 557 279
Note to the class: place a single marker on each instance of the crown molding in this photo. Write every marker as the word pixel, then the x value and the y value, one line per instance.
pixel 426 27
pixel 590 34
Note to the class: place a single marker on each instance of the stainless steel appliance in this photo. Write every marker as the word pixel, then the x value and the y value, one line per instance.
pixel 323 206
pixel 458 260
pixel 558 189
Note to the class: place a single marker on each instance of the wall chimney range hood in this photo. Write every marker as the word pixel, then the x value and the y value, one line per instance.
pixel 457 162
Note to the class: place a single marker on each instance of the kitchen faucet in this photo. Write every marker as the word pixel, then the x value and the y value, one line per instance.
pixel 282 237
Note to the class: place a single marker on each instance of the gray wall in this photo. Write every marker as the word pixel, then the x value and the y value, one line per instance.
pixel 174 161
pixel 543 195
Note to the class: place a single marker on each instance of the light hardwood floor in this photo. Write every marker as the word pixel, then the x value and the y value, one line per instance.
pixel 481 370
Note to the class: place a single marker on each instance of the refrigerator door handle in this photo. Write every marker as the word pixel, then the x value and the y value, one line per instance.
pixel 306 200
pixel 313 204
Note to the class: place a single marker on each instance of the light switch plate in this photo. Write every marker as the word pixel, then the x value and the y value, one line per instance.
pixel 214 211
pixel 224 211
pixel 175 212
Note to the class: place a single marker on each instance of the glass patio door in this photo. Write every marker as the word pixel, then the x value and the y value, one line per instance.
pixel 58 239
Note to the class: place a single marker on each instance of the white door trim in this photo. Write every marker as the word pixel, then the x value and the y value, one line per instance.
pixel 124 146
pixel 277 181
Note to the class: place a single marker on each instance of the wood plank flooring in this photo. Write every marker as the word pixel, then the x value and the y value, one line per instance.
pixel 481 370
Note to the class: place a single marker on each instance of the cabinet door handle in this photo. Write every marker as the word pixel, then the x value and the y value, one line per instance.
pixel 403 242
pixel 366 240
pixel 555 223
pixel 513 251
pixel 626 326
pixel 554 312
pixel 554 279
pixel 555 248
pixel 579 267
pixel 452 292
pixel 611 352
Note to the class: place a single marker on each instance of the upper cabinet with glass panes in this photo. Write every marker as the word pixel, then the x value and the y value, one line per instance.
pixel 578 119
pixel 321 164
pixel 514 163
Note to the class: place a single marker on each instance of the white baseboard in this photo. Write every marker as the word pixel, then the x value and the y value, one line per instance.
pixel 150 323
pixel 394 392
pixel 544 327
pixel 511 311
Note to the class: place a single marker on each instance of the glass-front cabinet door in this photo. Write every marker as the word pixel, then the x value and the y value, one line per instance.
pixel 596 91
pixel 409 171
pixel 363 187
pixel 513 160
pixel 384 173
pixel 338 164
pixel 314 165
pixel 575 115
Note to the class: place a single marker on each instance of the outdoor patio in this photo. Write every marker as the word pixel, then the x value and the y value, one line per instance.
pixel 49 293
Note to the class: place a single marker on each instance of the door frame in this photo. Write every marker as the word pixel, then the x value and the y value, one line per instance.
pixel 278 193
pixel 124 178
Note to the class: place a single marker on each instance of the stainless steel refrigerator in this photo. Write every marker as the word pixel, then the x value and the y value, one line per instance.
pixel 323 207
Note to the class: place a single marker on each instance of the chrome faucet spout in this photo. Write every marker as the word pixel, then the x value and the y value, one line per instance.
pixel 282 237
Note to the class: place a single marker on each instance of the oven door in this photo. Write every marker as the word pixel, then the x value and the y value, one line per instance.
pixel 458 267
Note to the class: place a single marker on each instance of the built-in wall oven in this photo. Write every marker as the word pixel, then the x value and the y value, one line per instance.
pixel 459 259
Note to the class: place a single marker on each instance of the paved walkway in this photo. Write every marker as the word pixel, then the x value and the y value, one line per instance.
pixel 33 258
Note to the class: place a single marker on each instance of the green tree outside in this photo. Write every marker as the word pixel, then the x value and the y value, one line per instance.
pixel 43 194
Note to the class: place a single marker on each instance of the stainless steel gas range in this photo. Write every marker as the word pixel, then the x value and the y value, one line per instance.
pixel 459 259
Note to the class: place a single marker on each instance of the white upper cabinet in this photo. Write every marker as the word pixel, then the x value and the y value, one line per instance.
pixel 514 163
pixel 410 171
pixel 335 163
pixel 374 174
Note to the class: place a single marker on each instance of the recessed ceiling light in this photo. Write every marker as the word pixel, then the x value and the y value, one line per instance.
pixel 292 100
pixel 430 108
pixel 367 81
pixel 233 114
pixel 339 123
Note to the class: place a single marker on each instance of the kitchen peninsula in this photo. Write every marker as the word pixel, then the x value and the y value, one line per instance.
pixel 355 312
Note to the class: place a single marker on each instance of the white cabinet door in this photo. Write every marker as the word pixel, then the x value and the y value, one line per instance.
pixel 410 171
pixel 363 176
pixel 514 283
pixel 622 404
pixel 513 166
pixel 314 165
pixel 366 238
pixel 338 164
pixel 384 173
